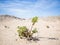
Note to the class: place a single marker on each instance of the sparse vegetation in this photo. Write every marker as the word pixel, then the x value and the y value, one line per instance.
pixel 47 26
pixel 24 31
pixel 6 26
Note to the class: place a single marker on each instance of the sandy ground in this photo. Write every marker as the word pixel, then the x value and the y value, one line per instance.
pixel 9 35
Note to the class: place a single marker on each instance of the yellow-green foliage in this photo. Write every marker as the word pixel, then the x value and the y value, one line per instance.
pixel 21 30
pixel 24 31
pixel 34 19
pixel 34 31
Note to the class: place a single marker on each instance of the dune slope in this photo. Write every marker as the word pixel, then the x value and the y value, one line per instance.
pixel 48 30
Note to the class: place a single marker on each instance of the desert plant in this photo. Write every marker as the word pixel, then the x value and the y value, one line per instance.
pixel 47 26
pixel 24 31
pixel 34 20
pixel 34 31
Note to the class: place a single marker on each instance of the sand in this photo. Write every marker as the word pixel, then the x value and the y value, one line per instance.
pixel 9 35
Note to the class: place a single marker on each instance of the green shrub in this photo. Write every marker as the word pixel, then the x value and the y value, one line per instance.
pixel 24 31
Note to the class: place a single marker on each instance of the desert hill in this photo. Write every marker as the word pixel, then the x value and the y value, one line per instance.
pixel 48 36
pixel 7 17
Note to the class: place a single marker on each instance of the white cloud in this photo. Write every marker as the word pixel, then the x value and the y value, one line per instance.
pixel 40 7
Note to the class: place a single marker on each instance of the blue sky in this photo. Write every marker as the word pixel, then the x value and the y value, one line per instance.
pixel 30 8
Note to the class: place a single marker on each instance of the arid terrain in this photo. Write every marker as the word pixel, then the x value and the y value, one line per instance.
pixel 48 30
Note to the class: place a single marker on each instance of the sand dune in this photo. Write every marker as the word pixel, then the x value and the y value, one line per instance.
pixel 48 36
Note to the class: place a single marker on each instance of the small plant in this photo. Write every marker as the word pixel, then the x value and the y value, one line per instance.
pixel 24 31
pixel 21 31
pixel 34 20
pixel 47 26
pixel 6 26
pixel 34 31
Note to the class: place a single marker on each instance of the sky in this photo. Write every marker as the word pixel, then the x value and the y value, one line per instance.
pixel 30 8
